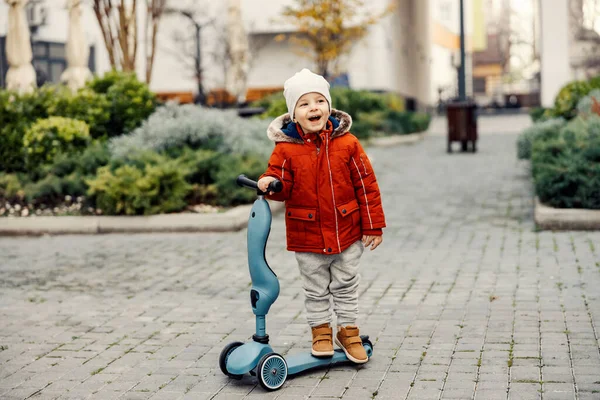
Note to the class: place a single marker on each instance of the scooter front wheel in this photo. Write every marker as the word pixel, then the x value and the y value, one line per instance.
pixel 272 371
pixel 367 345
pixel 225 353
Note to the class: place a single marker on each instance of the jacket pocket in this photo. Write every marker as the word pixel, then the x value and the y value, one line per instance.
pixel 348 208
pixel 302 229
pixel 302 214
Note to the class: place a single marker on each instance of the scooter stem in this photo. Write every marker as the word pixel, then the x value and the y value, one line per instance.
pixel 265 285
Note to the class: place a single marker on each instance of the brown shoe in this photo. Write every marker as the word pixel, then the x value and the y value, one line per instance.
pixel 322 345
pixel 347 338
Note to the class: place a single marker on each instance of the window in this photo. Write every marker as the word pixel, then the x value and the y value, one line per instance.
pixel 49 61
pixel 445 11
pixel 479 85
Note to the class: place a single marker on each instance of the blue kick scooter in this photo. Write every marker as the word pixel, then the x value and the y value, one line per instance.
pixel 257 357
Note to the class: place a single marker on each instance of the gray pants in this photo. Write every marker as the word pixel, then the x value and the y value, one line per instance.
pixel 326 276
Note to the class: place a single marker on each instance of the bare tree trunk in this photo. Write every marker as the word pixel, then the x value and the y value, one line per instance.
pixel 118 21
pixel 155 10
pixel 103 10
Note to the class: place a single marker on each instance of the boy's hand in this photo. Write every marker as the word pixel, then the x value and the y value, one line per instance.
pixel 372 240
pixel 263 183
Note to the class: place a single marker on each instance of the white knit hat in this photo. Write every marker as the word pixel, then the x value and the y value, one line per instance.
pixel 301 83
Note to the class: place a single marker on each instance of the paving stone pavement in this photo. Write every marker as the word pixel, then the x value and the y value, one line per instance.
pixel 464 299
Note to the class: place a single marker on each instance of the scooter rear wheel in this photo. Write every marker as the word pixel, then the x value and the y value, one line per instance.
pixel 272 371
pixel 225 353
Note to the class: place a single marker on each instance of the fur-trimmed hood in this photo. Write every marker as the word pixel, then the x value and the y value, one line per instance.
pixel 283 129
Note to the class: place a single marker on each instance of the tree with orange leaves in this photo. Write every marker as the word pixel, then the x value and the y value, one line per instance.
pixel 327 29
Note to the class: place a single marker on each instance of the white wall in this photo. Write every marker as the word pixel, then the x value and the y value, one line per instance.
pixel 443 75
pixel 371 65
pixel 275 63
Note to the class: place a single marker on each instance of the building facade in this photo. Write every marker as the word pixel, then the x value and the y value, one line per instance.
pixel 411 52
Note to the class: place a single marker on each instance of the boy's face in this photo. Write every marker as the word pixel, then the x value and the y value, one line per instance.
pixel 312 112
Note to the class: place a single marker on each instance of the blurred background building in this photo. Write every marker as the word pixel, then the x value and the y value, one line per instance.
pixel 518 52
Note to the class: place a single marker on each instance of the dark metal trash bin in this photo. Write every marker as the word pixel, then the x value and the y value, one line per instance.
pixel 462 125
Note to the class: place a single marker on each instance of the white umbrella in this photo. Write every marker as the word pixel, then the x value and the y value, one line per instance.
pixel 20 75
pixel 78 52
pixel 238 45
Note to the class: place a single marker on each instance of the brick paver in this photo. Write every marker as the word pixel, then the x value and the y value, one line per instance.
pixel 465 299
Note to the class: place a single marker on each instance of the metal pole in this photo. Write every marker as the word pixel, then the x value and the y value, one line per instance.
pixel 201 96
pixel 461 70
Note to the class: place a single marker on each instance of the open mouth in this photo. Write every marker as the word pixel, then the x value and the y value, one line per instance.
pixel 314 118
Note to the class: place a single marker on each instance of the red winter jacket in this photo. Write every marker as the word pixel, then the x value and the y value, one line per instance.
pixel 330 191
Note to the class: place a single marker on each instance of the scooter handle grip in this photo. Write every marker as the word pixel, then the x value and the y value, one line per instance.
pixel 276 186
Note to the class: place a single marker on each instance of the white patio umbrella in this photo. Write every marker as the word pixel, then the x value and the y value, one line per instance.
pixel 20 75
pixel 237 73
pixel 77 50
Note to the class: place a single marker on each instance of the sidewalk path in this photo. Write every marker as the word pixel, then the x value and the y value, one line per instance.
pixel 464 299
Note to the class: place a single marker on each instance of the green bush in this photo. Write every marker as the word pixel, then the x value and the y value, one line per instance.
pixel 212 174
pixel 157 188
pixel 419 121
pixel 566 167
pixel 10 187
pixel 17 114
pixel 48 137
pixel 355 101
pixel 66 175
pixel 131 101
pixel 349 100
pixel 545 130
pixel 231 165
pixel 402 122
pixel 537 114
pixel 85 105
pixel 362 129
pixel 565 104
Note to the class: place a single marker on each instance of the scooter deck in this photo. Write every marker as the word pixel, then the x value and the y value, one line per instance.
pixel 304 361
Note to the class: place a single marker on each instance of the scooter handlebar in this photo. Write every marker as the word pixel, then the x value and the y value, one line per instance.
pixel 276 186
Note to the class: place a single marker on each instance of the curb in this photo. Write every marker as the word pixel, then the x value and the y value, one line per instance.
pixel 234 219
pixel 566 218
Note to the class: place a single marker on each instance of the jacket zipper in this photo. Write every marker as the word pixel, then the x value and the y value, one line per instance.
pixel 337 235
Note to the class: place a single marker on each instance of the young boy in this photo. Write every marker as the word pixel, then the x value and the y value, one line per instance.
pixel 332 204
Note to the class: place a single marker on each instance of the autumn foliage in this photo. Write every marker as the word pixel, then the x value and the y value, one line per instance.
pixel 327 29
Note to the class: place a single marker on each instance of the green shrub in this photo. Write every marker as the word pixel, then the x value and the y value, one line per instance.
pixel 212 175
pixel 85 163
pixel 66 175
pixel 419 122
pixel 401 122
pixel 362 129
pixel 131 101
pixel 176 126
pixel 565 104
pixel 51 189
pixel 546 129
pixel 159 187
pixel 85 105
pixel 566 167
pixel 537 114
pixel 10 187
pixel 349 100
pixel 17 114
pixel 229 193
pixel 355 101
pixel 47 137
